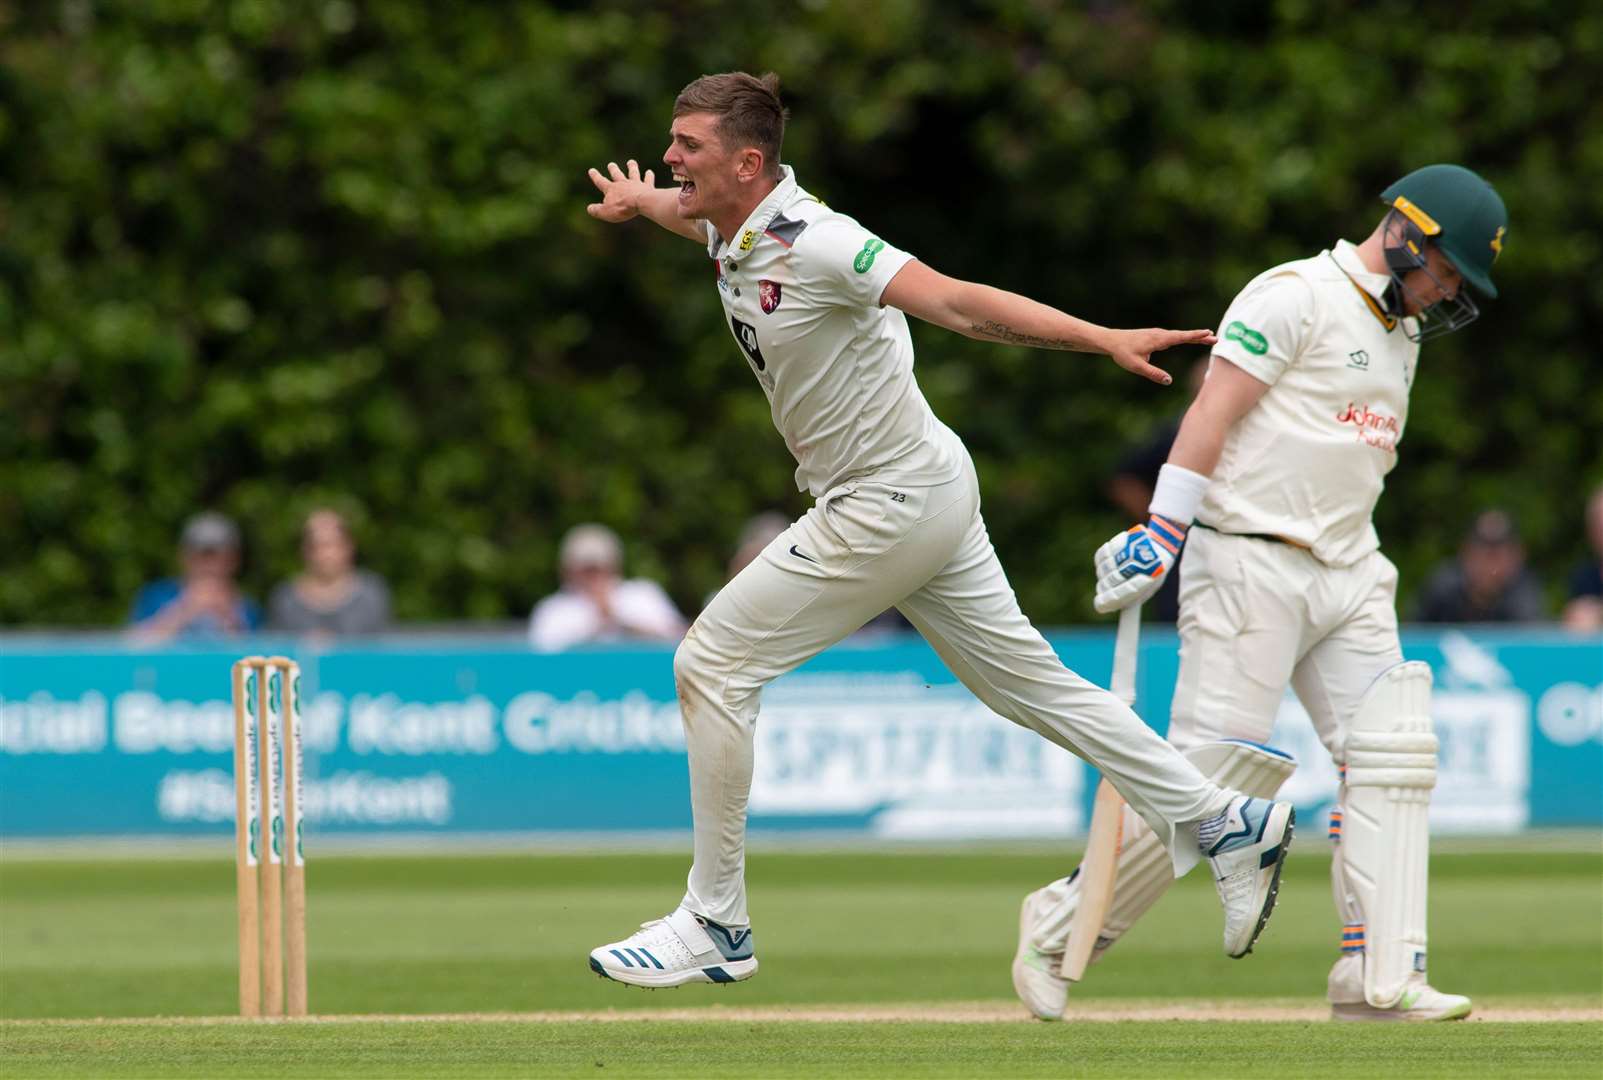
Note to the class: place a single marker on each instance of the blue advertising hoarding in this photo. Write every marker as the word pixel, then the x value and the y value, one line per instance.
pixel 870 739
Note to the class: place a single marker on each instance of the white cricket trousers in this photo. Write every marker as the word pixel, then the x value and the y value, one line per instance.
pixel 862 548
pixel 1256 615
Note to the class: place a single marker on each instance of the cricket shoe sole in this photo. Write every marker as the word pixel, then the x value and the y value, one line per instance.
pixel 1247 862
pixel 1424 1006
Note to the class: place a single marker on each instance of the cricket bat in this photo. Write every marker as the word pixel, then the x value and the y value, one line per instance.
pixel 1099 867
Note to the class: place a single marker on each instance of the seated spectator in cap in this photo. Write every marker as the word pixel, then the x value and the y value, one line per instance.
pixel 1584 609
pixel 331 597
pixel 1488 582
pixel 204 601
pixel 595 604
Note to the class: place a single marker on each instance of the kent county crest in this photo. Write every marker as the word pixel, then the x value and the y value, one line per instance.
pixel 768 294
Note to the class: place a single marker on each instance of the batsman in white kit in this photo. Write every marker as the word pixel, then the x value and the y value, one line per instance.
pixel 1269 490
pixel 816 304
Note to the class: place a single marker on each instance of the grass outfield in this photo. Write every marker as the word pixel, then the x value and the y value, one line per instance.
pixel 508 934
pixel 717 1049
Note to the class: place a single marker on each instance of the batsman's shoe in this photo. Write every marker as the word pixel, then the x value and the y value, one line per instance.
pixel 1420 1003
pixel 1246 846
pixel 1035 973
pixel 677 949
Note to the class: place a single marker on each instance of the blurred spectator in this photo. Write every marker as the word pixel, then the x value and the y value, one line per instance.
pixel 1584 610
pixel 757 534
pixel 204 601
pixel 595 603
pixel 1488 582
pixel 331 597
pixel 1130 488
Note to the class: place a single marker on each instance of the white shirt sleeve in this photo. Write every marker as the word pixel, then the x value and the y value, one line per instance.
pixel 846 264
pixel 1265 327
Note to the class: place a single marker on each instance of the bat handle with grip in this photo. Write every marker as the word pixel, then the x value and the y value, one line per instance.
pixel 1124 654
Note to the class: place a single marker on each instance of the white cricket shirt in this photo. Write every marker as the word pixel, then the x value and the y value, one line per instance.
pixel 1309 460
pixel 801 287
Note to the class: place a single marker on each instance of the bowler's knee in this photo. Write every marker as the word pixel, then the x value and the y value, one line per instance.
pixel 702 672
pixel 716 687
pixel 692 667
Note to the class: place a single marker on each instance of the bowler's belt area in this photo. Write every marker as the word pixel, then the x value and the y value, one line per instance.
pixel 1273 538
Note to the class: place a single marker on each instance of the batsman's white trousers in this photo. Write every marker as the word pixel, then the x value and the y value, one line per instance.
pixel 1258 615
pixel 864 547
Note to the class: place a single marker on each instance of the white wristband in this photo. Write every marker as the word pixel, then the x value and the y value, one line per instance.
pixel 1178 494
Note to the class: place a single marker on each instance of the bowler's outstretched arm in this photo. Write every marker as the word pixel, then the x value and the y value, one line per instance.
pixel 990 314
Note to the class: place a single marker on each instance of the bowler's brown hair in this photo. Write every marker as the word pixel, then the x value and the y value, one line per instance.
pixel 748 110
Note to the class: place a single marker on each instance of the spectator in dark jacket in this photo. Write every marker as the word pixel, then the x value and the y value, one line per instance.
pixel 1133 480
pixel 1488 582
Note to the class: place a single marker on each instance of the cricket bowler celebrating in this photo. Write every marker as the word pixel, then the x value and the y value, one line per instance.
pixel 1269 489
pixel 816 305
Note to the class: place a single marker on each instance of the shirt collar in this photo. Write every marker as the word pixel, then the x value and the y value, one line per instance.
pixel 760 218
pixel 1346 255
pixel 1371 287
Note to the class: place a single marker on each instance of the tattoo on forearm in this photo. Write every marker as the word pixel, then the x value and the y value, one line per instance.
pixel 1003 332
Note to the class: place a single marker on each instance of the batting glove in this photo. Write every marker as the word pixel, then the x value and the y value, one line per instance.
pixel 1131 566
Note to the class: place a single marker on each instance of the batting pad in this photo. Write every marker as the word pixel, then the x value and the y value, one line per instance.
pixel 1385 827
pixel 1145 869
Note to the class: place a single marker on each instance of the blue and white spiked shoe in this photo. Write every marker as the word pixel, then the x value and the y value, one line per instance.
pixel 677 949
pixel 1246 846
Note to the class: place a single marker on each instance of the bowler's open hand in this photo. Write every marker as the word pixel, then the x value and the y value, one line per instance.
pixel 620 191
pixel 1131 349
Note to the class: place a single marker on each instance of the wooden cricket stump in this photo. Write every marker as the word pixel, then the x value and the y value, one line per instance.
pixel 270 874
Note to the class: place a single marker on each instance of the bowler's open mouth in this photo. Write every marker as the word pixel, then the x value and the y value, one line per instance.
pixel 687 186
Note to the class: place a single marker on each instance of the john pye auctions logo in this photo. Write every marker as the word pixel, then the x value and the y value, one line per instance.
pixel 1375 429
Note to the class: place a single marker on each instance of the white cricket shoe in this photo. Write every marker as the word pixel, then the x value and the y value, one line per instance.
pixel 1247 848
pixel 1035 974
pixel 679 948
pixel 1420 1002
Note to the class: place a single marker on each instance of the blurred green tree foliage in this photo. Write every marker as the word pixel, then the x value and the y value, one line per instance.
pixel 266 254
